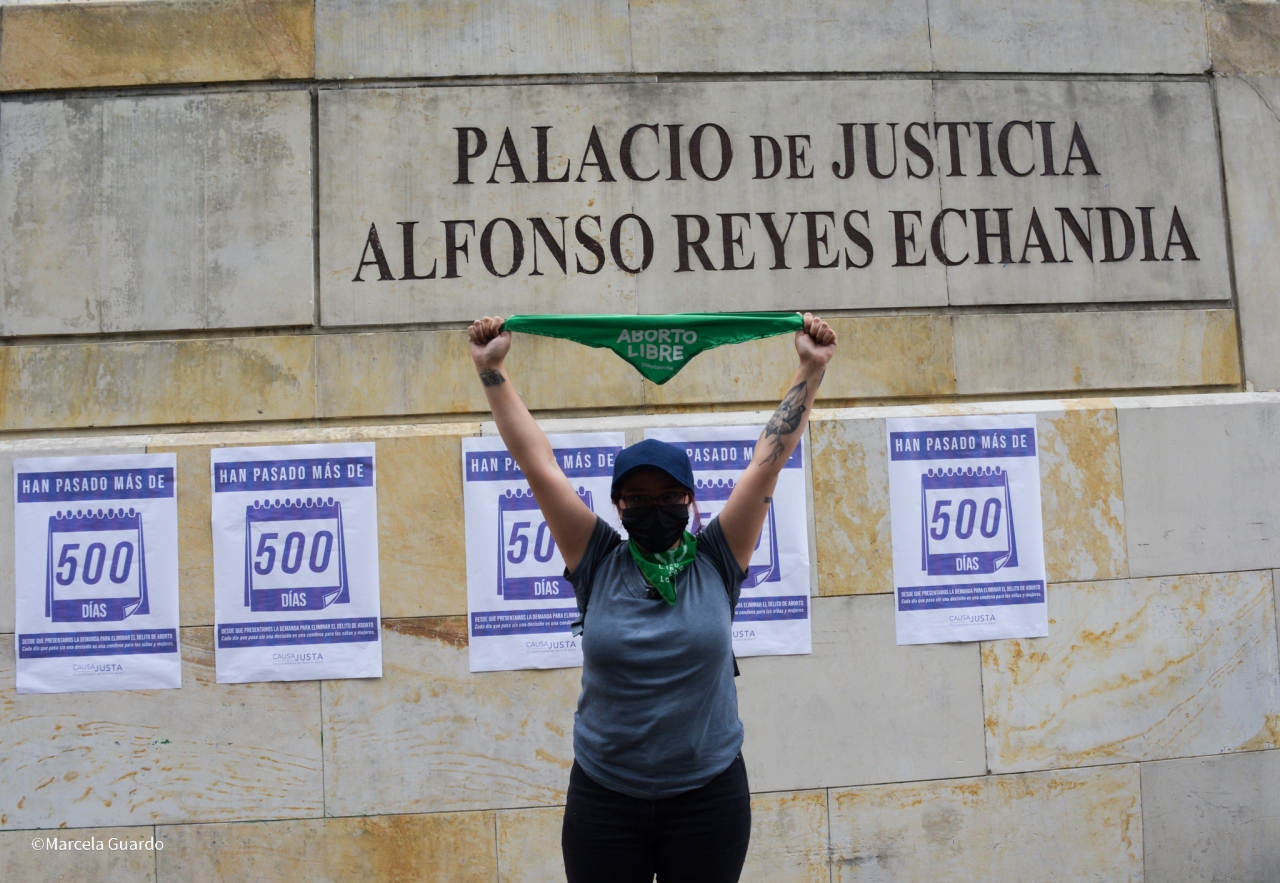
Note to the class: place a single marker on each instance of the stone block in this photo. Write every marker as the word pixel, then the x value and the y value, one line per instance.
pixel 463 741
pixel 882 356
pixel 158 212
pixel 1068 36
pixel 529 845
pixel 51 170
pixel 1206 819
pixel 93 45
pixel 207 752
pixel 1134 170
pixel 430 372
pixel 898 712
pixel 1243 37
pixel 436 848
pixel 851 506
pixel 19 861
pixel 795 35
pixel 368 39
pixel 789 837
pixel 1250 138
pixel 17 450
pixel 1081 493
pixel 420 526
pixel 1044 352
pixel 1200 483
pixel 157 382
pixel 323 434
pixel 1139 669
pixel 1060 827
pixel 788 841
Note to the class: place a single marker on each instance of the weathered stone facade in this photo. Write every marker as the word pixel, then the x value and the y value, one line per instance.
pixel 188 191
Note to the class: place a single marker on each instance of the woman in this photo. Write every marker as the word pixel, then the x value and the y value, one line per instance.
pixel 658 785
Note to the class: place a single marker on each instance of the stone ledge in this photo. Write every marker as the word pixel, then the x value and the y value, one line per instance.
pixel 375 374
pixel 784 35
pixel 1072 825
pixel 1129 349
pixel 366 38
pixel 453 38
pixel 882 357
pixel 145 43
pixel 157 382
pixel 1244 38
pixel 1068 36
pixel 434 848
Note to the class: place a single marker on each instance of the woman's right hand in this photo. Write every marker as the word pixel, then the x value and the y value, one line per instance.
pixel 489 344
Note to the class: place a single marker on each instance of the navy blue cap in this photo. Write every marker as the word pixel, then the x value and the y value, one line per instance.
pixel 652 454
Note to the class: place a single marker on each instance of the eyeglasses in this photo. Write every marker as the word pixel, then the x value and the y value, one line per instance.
pixel 644 501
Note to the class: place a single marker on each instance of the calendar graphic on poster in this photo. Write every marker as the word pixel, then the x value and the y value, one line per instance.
pixel 95 571
pixel 95 567
pixel 966 521
pixel 711 495
pixel 529 566
pixel 968 546
pixel 771 616
pixel 295 555
pixel 295 562
pixel 521 609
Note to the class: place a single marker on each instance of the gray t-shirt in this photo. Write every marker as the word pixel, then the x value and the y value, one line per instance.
pixel 658 714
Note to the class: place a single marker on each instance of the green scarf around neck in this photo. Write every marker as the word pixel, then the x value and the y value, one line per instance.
pixel 658 346
pixel 661 568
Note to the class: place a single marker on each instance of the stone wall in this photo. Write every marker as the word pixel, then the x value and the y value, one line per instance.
pixel 999 760
pixel 184 191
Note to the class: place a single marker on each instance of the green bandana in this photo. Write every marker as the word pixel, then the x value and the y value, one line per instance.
pixel 659 346
pixel 661 568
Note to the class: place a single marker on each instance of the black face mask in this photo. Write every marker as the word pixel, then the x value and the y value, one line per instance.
pixel 656 528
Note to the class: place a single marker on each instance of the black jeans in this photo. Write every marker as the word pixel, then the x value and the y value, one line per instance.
pixel 700 836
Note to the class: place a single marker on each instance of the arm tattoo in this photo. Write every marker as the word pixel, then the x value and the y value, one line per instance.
pixel 768 500
pixel 785 421
pixel 490 377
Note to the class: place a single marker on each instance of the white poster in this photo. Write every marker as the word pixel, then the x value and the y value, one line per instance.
pixel 772 618
pixel 968 545
pixel 295 563
pixel 96 573
pixel 520 605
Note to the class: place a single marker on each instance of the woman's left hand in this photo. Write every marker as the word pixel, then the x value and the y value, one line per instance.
pixel 816 344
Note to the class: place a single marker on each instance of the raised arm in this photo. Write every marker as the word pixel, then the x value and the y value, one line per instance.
pixel 569 519
pixel 744 513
